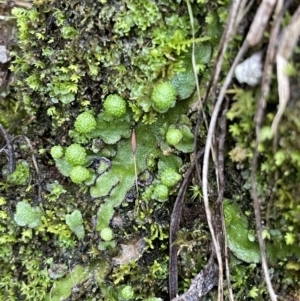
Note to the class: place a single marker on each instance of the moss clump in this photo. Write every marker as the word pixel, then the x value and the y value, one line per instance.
pixel 79 174
pixel 21 174
pixel 57 152
pixel 85 123
pixel 75 154
pixel 115 106
pixel 174 136
pixel 163 97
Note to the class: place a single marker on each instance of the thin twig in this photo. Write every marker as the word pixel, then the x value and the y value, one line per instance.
pixel 227 35
pixel 290 36
pixel 11 154
pixel 208 144
pixel 133 149
pixel 174 227
pixel 35 166
pixel 219 203
pixel 266 79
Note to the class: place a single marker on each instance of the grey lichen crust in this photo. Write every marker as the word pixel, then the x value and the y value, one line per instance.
pixel 250 70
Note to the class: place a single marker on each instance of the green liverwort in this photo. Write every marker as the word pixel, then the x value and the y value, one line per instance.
pixel 163 97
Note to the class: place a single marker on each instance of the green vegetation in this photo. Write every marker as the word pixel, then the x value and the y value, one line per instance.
pixel 170 177
pixel 75 222
pixel 161 192
pixel 79 174
pixel 114 106
pixel 163 97
pixel 57 152
pixel 28 216
pixel 75 154
pixel 174 136
pixel 127 292
pixel 107 234
pixel 85 123
pixel 109 90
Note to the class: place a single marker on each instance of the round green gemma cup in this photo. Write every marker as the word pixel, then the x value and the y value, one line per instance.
pixel 75 154
pixel 107 234
pixel 114 105
pixel 174 136
pixel 85 123
pixel 57 152
pixel 163 97
pixel 79 174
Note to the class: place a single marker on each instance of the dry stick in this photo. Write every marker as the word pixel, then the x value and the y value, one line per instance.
pixel 11 154
pixel 274 41
pixel 256 30
pixel 174 227
pixel 212 84
pixel 223 126
pixel 234 11
pixel 208 144
pixel 266 79
pixel 194 63
pixel 202 283
pixel 133 149
pixel 287 44
pixel 260 22
pixel 35 166
pixel 219 216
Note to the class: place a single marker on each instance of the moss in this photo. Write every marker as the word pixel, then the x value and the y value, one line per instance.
pixel 127 292
pixel 111 131
pixel 184 81
pixel 21 174
pixel 170 177
pixel 63 288
pixel 72 57
pixel 161 192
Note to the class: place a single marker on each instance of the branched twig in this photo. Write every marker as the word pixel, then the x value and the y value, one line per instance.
pixel 10 149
